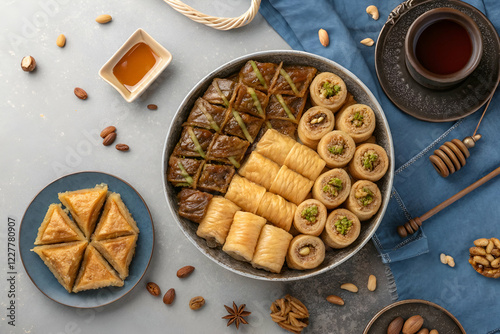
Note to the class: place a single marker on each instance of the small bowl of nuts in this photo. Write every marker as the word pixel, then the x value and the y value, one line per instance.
pixel 485 257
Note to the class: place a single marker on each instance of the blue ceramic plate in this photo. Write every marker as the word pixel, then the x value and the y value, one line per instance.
pixel 43 278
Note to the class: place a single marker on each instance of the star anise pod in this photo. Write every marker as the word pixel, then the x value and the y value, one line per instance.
pixel 236 315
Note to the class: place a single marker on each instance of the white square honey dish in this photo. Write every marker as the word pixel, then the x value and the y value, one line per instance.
pixel 136 64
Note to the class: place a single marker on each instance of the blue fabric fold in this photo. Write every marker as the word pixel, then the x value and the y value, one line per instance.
pixel 415 264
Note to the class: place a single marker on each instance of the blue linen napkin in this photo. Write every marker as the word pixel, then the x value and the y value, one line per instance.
pixel 414 262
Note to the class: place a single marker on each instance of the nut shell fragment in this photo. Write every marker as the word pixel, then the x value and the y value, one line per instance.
pixel 367 42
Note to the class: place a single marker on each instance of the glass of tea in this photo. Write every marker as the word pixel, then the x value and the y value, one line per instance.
pixel 443 46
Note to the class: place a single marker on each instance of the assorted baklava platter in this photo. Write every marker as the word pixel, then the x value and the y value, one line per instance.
pixel 278 165
pixel 86 239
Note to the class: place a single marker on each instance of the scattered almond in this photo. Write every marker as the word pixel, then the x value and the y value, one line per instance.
pixel 373 11
pixel 61 41
pixel 450 261
pixel 122 147
pixel 349 287
pixel 434 331
pixel 196 302
pixel 152 106
pixel 109 139
pixel 323 37
pixel 335 300
pixel 185 271
pixel 107 130
pixel 153 289
pixel 102 19
pixel 169 296
pixel 372 283
pixel 80 93
pixel 28 64
pixel 367 42
pixel 442 258
pixel 423 331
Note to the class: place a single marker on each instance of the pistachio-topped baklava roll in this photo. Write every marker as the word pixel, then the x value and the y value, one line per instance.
pixel 314 124
pixel 271 249
pixel 342 228
pixel 243 235
pixel 258 75
pixel 275 146
pixel 293 80
pixel 216 223
pixel 310 217
pixel 259 169
pixel 370 162
pixel 246 194
pixel 364 200
pixel 305 161
pixel 358 121
pixel 277 210
pixel 206 115
pixel 332 188
pixel 291 185
pixel 328 90
pixel 305 252
pixel 336 148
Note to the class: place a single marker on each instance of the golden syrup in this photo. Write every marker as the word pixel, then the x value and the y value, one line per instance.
pixel 135 65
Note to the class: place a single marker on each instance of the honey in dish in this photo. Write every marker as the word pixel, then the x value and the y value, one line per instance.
pixel 444 47
pixel 134 66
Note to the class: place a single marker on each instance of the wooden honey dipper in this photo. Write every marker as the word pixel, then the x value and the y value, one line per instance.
pixel 452 155
pixel 413 225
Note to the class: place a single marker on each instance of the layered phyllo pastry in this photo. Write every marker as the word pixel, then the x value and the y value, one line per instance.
pixel 57 227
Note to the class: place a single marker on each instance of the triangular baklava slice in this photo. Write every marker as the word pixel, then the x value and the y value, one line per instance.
pixel 119 252
pixel 116 220
pixel 95 272
pixel 63 260
pixel 57 227
pixel 85 205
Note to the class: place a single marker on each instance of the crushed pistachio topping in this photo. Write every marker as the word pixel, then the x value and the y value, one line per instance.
pixel 333 186
pixel 185 175
pixel 258 74
pixel 368 159
pixel 328 90
pixel 336 149
pixel 364 195
pixel 357 119
pixel 310 213
pixel 343 225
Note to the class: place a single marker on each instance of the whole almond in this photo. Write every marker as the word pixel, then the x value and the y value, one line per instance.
pixel 367 42
pixel 185 271
pixel 152 106
pixel 395 326
pixel 335 300
pixel 80 93
pixel 61 41
pixel 196 302
pixel 28 64
pixel 323 37
pixel 109 139
pixel 372 283
pixel 413 324
pixel 349 287
pixel 434 331
pixel 153 289
pixel 169 296
pixel 423 331
pixel 122 147
pixel 102 19
pixel 107 130
pixel 483 242
pixel 477 251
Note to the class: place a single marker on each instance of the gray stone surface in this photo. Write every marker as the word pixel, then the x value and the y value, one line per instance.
pixel 46 132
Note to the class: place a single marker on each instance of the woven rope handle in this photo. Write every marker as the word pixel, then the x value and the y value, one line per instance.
pixel 220 23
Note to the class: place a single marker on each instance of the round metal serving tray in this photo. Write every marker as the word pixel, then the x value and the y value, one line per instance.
pixel 382 132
